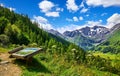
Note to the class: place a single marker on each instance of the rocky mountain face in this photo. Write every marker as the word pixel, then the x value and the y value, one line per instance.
pixel 87 37
pixel 96 32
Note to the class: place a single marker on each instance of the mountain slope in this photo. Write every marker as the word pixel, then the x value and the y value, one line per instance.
pixel 18 29
pixel 87 37
pixel 112 44
pixel 77 38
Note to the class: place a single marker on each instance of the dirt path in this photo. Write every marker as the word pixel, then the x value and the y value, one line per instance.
pixel 8 68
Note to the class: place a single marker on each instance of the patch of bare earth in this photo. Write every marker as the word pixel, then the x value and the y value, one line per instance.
pixel 7 66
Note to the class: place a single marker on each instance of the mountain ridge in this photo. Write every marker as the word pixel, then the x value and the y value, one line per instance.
pixel 88 37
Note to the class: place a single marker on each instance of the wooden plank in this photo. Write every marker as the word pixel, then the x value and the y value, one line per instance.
pixel 15 50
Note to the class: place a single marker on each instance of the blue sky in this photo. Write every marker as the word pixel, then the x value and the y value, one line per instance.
pixel 65 15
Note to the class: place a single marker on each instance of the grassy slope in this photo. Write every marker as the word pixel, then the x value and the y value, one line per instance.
pixel 112 44
pixel 115 37
pixel 45 64
pixel 115 58
pixel 107 55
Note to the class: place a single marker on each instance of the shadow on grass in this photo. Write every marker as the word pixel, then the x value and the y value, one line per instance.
pixel 34 66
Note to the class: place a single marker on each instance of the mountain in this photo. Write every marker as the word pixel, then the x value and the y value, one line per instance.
pixel 88 37
pixel 56 33
pixel 112 44
pixel 116 27
pixel 94 32
pixel 77 38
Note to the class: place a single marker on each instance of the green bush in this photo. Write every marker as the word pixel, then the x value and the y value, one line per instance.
pixel 4 40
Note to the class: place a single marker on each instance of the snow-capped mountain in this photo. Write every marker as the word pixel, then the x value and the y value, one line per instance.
pixel 96 32
pixel 87 37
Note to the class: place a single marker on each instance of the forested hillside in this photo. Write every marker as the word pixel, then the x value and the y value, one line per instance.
pixel 18 29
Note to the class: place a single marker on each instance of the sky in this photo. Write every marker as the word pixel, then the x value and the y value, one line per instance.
pixel 67 15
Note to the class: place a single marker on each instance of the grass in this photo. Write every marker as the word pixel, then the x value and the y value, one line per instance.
pixel 3 49
pixel 114 59
pixel 53 65
pixel 102 73
pixel 115 37
pixel 45 64
pixel 107 55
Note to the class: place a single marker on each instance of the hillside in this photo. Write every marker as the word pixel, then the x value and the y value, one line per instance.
pixel 18 29
pixel 112 44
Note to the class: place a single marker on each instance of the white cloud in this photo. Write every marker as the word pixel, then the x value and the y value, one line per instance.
pixel 80 18
pixel 49 8
pixel 2 5
pixel 40 19
pixel 105 3
pixel 94 23
pixel 87 15
pixel 100 20
pixel 103 14
pixel 114 19
pixel 71 6
pixel 75 19
pixel 67 19
pixel 84 10
pixel 46 6
pixel 59 9
pixel 70 27
pixel 11 9
pixel 53 14
pixel 82 5
pixel 43 22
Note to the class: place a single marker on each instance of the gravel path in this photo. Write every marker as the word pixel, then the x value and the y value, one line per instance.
pixel 7 66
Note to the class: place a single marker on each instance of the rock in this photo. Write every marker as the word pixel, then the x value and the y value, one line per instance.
pixel 4 62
